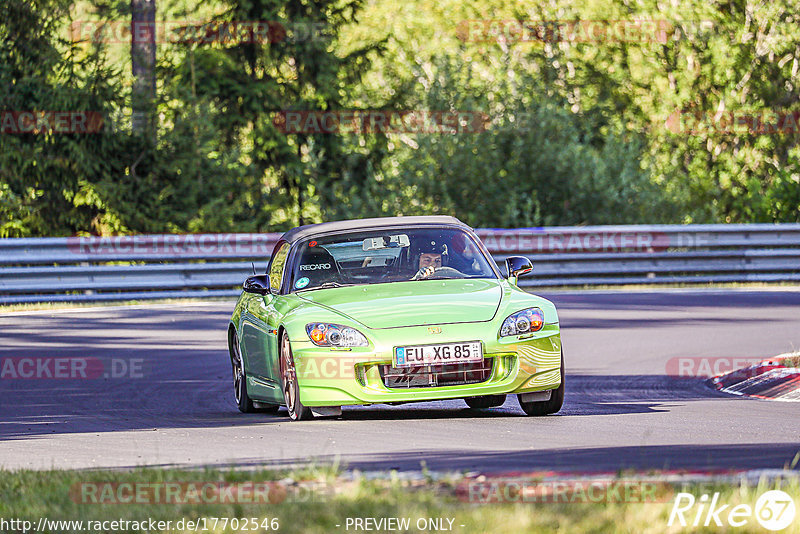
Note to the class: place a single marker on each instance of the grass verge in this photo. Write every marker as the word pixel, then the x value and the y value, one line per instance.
pixel 321 500
pixel 791 361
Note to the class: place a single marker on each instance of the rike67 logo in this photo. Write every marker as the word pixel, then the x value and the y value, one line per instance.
pixel 774 510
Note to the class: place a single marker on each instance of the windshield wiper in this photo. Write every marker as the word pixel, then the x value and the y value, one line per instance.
pixel 324 285
pixel 327 285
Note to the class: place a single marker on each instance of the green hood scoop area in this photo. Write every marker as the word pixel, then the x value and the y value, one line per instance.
pixel 424 302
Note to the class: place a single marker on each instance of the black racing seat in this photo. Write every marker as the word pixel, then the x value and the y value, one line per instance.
pixel 318 265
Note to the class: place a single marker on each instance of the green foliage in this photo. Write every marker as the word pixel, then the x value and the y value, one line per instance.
pixel 243 85
pixel 46 178
pixel 577 132
pixel 538 163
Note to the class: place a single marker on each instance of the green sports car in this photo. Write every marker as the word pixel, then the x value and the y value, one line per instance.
pixel 391 310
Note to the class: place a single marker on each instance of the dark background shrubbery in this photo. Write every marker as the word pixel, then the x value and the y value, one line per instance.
pixel 577 131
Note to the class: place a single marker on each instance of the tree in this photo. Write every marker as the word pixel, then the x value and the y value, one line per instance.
pixel 47 174
pixel 143 62
pixel 247 82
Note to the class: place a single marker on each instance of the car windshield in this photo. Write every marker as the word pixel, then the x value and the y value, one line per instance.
pixel 380 256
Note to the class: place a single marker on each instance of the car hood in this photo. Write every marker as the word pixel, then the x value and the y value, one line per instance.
pixel 414 303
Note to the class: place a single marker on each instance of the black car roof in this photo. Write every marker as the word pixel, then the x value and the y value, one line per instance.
pixel 309 230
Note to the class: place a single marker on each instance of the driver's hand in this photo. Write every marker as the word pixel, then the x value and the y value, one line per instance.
pixel 424 273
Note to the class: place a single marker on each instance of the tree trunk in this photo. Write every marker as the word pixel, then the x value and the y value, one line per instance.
pixel 143 59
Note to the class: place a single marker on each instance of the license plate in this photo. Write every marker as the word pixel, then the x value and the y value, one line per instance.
pixel 446 353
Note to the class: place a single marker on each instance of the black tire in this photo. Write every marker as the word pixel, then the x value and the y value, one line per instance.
pixel 243 400
pixel 549 406
pixel 291 389
pixel 485 401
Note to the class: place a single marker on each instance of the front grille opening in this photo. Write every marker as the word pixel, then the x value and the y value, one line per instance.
pixel 426 376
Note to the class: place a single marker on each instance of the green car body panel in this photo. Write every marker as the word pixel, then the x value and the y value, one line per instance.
pixel 390 315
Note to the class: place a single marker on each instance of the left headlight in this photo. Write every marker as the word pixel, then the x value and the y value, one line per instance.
pixel 335 335
pixel 523 322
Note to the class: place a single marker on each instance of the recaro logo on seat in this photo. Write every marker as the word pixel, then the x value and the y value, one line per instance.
pixel 315 266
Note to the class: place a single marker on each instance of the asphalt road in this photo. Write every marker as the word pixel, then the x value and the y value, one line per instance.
pixel 173 403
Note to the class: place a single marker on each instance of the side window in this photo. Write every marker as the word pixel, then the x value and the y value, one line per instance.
pixel 276 267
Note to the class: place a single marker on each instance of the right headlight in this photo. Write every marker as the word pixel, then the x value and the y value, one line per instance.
pixel 335 335
pixel 522 322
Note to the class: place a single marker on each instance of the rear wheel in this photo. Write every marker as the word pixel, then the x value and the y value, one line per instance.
pixel 552 405
pixel 485 401
pixel 291 389
pixel 243 400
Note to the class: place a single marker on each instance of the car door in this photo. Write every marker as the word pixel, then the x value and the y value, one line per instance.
pixel 259 330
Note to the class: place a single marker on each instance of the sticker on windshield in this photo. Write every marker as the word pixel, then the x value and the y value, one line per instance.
pixel 303 282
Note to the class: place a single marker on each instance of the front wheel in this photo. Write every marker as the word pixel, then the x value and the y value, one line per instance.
pixel 549 406
pixel 243 400
pixel 291 389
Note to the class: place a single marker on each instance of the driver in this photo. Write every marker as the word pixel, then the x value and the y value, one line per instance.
pixel 428 263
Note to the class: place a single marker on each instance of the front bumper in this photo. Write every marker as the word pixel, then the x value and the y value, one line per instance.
pixel 338 377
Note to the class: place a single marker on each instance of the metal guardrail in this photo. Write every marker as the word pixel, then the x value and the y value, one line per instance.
pixel 201 265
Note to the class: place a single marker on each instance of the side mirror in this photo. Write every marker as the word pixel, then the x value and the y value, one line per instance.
pixel 518 266
pixel 258 284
